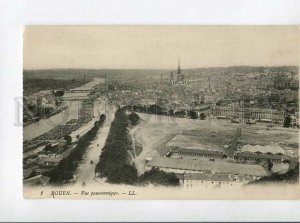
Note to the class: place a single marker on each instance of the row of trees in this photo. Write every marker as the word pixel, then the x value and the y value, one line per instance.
pixel 114 163
pixel 158 177
pixel 157 110
pixel 194 115
pixel 66 168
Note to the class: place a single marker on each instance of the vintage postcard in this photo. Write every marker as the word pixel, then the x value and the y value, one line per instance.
pixel 161 112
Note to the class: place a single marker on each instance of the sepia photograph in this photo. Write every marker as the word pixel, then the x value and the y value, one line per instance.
pixel 160 112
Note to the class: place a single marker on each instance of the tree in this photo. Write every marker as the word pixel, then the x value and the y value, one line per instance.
pixel 202 116
pixel 144 109
pixel 102 117
pixel 155 109
pixel 134 118
pixel 68 139
pixel 287 121
pixel 159 177
pixel 59 93
pixel 25 119
pixel 193 115
pixel 270 165
pixel 180 114
pixel 96 124
pixel 48 147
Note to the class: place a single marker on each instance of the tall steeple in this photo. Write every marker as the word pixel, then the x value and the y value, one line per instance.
pixel 178 69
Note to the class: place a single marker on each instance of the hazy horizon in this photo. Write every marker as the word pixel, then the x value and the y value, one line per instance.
pixel 191 68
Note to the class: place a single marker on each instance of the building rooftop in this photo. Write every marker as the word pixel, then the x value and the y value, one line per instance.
pixel 260 155
pixel 43 93
pixel 214 177
pixel 82 95
pixel 82 88
pixel 205 165
pixel 196 150
pixel 202 107
pixel 204 142
pixel 197 176
pixel 274 149
pixel 27 172
pixel 53 159
pixel 37 180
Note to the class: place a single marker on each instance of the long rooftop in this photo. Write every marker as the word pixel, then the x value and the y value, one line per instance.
pixel 274 149
pixel 203 165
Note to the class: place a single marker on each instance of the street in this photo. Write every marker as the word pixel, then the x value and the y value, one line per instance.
pixel 86 170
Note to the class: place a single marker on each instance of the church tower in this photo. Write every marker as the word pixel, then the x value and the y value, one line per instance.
pixel 178 68
pixel 178 77
pixel 179 74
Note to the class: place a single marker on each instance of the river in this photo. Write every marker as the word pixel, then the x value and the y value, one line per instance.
pixel 44 125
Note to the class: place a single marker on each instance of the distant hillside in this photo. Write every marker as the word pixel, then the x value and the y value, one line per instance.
pixel 130 74
pixel 245 69
pixel 90 73
pixel 217 71
pixel 31 86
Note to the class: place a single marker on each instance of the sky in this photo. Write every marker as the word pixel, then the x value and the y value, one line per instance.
pixel 158 47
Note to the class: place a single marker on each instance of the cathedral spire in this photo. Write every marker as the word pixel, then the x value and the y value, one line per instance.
pixel 178 69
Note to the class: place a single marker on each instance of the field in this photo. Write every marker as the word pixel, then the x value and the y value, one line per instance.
pixel 154 133
pixel 157 133
pixel 263 135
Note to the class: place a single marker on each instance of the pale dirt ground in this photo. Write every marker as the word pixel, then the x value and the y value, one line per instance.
pixel 196 142
pixel 280 168
pixel 154 132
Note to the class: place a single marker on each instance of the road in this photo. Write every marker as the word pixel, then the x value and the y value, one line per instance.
pixel 131 133
pixel 86 170
pixel 140 160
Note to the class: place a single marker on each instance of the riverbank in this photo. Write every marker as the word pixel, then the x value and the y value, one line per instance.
pixel 44 125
